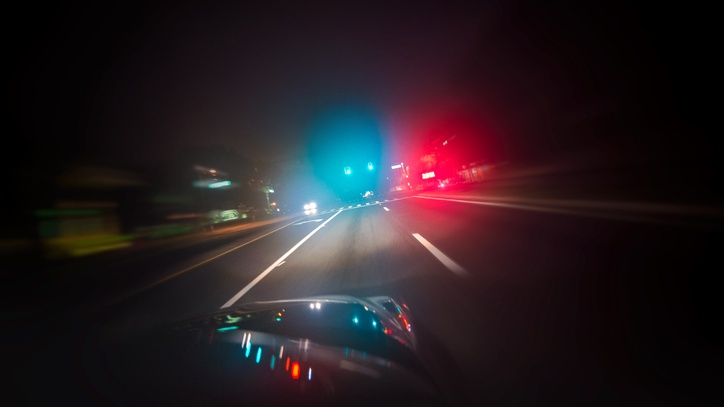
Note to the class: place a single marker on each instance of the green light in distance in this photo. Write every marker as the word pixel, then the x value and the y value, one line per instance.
pixel 227 328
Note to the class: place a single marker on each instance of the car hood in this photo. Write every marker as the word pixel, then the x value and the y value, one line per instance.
pixel 325 350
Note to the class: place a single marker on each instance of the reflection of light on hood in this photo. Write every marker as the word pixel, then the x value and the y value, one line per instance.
pixel 376 316
pixel 227 328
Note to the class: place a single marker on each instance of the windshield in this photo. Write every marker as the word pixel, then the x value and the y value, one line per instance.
pixel 402 203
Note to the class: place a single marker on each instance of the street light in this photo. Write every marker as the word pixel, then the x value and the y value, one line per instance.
pixel 347 170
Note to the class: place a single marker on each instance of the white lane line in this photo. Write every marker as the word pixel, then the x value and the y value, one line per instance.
pixel 507 205
pixel 308 221
pixel 180 272
pixel 268 270
pixel 446 261
pixel 386 208
pixel 472 202
pixel 559 211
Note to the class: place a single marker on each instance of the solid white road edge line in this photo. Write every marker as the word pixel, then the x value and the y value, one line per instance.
pixel 268 270
pixel 178 273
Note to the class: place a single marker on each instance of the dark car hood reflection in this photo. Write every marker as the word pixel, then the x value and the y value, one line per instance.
pixel 309 351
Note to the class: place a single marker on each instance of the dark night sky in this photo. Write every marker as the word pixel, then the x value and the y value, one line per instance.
pixel 135 83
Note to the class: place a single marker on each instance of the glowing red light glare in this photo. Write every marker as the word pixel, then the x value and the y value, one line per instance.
pixel 287 367
pixel 295 370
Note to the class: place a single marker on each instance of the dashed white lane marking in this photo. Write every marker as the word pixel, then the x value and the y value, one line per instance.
pixel 446 261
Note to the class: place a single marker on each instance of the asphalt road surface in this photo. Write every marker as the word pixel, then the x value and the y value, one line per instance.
pixel 529 304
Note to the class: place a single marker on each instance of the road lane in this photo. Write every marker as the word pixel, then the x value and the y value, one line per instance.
pixel 442 257
pixel 202 283
pixel 279 261
pixel 551 306
pixel 192 263
pixel 568 302
pixel 363 250
pixel 553 302
pixel 368 251
pixel 503 243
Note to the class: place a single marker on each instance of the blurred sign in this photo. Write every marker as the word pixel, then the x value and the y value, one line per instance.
pixel 220 184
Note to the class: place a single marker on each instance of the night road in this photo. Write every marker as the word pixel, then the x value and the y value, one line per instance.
pixel 517 203
pixel 521 303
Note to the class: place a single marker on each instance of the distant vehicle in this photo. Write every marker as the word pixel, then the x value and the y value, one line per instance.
pixel 328 350
pixel 310 208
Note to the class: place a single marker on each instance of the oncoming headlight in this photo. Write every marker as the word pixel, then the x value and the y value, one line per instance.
pixel 310 208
